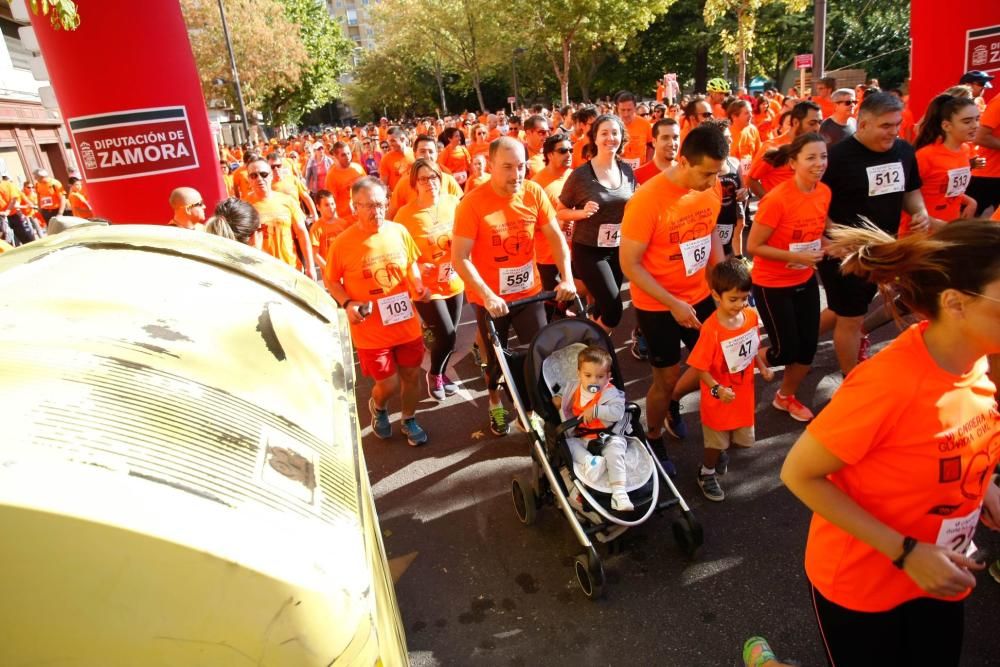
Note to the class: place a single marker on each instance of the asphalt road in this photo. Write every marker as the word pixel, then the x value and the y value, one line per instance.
pixel 476 587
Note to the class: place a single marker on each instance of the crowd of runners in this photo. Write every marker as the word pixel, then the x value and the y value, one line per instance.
pixel 714 214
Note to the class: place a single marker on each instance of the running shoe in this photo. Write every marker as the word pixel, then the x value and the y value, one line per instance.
pixel 995 571
pixel 450 388
pixel 415 436
pixel 865 348
pixel 791 405
pixel 435 386
pixel 674 423
pixel 722 466
pixel 659 448
pixel 757 652
pixel 620 502
pixel 498 421
pixel 639 348
pixel 710 487
pixel 380 421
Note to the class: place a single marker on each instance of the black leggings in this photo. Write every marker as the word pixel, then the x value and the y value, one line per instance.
pixel 923 631
pixel 791 317
pixel 441 318
pixel 526 320
pixel 601 272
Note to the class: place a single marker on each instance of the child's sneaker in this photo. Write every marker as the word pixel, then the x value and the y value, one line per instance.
pixel 498 421
pixel 791 405
pixel 594 469
pixel 620 502
pixel 757 652
pixel 415 436
pixel 639 348
pixel 380 421
pixel 710 487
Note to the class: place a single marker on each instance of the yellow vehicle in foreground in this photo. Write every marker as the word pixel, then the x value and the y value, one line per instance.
pixel 181 476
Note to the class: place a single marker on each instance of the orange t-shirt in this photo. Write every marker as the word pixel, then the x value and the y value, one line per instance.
pixel 394 165
pixel 339 181
pixel 50 193
pixel 278 214
pixel 79 205
pixel 405 193
pixel 944 175
pixel 760 170
pixel 552 185
pixel 476 181
pixel 8 194
pixel 478 148
pixel 578 147
pixel 228 180
pixel 919 445
pixel 458 161
pixel 241 183
pixel 536 163
pixel 640 135
pixel 798 220
pixel 374 268
pixel 728 355
pixel 503 232
pixel 677 227
pixel 431 229
pixel 323 232
pixel 826 106
pixel 990 119
pixel 746 145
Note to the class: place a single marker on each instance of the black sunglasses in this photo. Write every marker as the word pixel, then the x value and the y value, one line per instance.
pixel 259 174
pixel 563 150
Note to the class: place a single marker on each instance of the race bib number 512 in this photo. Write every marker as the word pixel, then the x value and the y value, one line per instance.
pixel 885 178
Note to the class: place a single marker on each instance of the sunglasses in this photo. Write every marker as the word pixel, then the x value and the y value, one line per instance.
pixel 563 150
pixel 428 179
pixel 704 114
pixel 196 205
pixel 275 167
pixel 849 103
pixel 263 175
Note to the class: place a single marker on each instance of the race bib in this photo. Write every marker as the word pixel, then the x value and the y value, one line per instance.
pixel 460 176
pixel 45 202
pixel 740 351
pixel 609 235
pixel 885 178
pixel 517 279
pixel 956 534
pixel 395 309
pixel 695 254
pixel 958 180
pixel 803 247
pixel 632 162
pixel 724 232
pixel 445 272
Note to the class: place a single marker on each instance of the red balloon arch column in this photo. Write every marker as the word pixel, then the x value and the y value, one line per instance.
pixel 130 96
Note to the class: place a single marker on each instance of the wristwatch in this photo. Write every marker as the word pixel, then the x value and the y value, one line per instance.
pixel 715 390
pixel 909 543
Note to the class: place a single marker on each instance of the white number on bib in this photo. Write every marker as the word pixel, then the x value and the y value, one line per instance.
pixel 806 246
pixel 45 202
pixel 956 534
pixel 958 180
pixel 609 235
pixel 724 232
pixel 885 178
pixel 740 351
pixel 460 176
pixel 396 308
pixel 445 272
pixel 695 254
pixel 517 279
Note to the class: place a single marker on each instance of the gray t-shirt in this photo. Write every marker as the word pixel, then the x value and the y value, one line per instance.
pixel 603 228
pixel 834 132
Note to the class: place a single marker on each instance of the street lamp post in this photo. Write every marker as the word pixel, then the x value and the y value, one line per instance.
pixel 236 74
pixel 513 68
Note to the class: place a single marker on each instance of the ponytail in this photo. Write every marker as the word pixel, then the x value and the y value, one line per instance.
pixel 941 108
pixel 218 226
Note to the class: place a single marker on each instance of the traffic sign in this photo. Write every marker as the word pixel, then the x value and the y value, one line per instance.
pixel 511 100
pixel 804 61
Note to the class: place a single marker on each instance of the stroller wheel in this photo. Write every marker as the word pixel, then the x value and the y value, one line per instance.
pixel 590 575
pixel 525 502
pixel 688 534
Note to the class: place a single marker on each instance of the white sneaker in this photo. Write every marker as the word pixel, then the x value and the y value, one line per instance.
pixel 594 469
pixel 620 502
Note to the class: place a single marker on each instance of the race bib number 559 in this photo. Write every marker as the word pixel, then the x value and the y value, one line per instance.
pixel 517 279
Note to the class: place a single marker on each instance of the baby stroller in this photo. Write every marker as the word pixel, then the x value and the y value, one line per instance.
pixel 551 360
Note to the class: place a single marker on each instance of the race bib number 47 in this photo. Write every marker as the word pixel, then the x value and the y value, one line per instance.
pixel 885 178
pixel 517 279
pixel 740 351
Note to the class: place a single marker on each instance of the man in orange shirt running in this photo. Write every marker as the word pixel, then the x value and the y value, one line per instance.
pixel 536 129
pixel 493 251
pixel 373 274
pixel 396 162
pixel 284 182
pixel 640 134
pixel 51 195
pixel 746 138
pixel 666 142
pixel 762 177
pixel 823 96
pixel 281 219
pixel 241 182
pixel 341 175
pixel 668 242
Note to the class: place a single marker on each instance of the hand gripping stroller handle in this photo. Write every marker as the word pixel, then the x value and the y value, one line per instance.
pixel 544 296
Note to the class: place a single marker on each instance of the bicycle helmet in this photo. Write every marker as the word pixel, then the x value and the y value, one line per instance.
pixel 718 85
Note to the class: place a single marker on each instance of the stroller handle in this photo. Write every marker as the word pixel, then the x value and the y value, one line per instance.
pixel 544 296
pixel 568 425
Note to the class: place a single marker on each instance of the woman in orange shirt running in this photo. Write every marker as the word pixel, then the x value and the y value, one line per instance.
pixel 944 158
pixel 763 119
pixel 786 245
pixel 430 219
pixel 480 144
pixel 455 157
pixel 898 467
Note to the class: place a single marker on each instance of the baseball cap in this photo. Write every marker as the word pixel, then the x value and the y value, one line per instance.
pixel 977 76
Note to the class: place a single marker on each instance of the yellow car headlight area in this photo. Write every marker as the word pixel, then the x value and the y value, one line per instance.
pixel 181 477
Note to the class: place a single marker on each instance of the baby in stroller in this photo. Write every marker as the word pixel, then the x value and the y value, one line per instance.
pixel 600 406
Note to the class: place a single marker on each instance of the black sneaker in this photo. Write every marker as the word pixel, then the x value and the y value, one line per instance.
pixel 639 348
pixel 674 423
pixel 710 487
pixel 723 464
pixel 660 450
pixel 498 421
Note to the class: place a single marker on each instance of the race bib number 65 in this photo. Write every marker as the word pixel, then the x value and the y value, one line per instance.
pixel 517 279
pixel 695 254
pixel 885 178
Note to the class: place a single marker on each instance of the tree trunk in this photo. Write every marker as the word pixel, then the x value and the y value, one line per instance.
pixel 479 90
pixel 440 82
pixel 741 57
pixel 701 67
pixel 567 46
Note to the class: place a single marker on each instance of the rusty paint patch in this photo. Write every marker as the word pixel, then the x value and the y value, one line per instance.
pixel 163 332
pixel 266 329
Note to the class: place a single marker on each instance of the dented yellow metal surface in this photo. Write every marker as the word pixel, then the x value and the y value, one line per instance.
pixel 181 477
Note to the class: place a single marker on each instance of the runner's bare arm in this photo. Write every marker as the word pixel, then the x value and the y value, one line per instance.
pixel 984 137
pixel 630 255
pixel 566 289
pixel 302 234
pixel 937 570
pixel 461 260
pixel 920 221
pixel 417 283
pixel 755 187
pixel 717 253
pixel 758 247
pixel 339 294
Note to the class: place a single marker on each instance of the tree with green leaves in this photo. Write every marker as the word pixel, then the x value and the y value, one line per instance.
pixel 740 43
pixel 62 13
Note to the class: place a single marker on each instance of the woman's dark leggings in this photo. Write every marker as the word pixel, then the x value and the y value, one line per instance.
pixel 441 318
pixel 601 272
pixel 791 317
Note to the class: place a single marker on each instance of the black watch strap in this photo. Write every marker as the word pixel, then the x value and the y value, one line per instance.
pixel 909 543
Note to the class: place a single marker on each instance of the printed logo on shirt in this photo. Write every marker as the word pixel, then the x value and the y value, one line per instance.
pixel 950 470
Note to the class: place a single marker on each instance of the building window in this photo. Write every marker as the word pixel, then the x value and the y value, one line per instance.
pixel 352 17
pixel 20 57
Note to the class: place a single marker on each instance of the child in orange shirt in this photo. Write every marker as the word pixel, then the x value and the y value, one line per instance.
pixel 725 356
